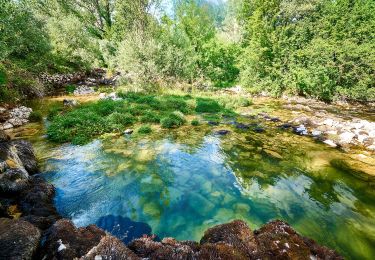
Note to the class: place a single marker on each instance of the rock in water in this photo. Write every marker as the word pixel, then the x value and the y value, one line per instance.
pixel 236 234
pixel 124 228
pixel 65 241
pixel 26 154
pixel 18 239
pixel 110 248
pixel 277 240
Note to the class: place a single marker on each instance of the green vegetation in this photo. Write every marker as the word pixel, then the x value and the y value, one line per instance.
pixel 81 124
pixel 316 48
pixel 145 129
pixel 70 89
pixel 36 116
pixel 195 122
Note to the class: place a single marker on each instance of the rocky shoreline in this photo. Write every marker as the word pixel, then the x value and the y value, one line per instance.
pixel 31 228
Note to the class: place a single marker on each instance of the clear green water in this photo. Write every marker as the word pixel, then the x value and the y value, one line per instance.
pixel 185 181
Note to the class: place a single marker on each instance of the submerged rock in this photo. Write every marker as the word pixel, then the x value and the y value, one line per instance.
pixel 18 239
pixel 222 132
pixel 124 228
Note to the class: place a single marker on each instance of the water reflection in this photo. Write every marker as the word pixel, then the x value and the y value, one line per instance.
pixel 183 184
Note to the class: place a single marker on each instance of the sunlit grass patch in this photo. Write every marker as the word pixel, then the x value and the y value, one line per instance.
pixel 85 122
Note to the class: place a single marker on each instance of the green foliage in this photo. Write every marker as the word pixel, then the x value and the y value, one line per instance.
pixel 119 119
pixel 53 111
pixel 205 105
pixel 150 117
pixel 195 122
pixel 219 62
pixel 145 129
pixel 70 89
pixel 173 120
pixel 83 123
pixel 319 49
pixel 36 116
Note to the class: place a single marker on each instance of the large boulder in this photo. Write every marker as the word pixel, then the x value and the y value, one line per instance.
pixel 36 203
pixel 18 239
pixel 3 136
pixel 277 240
pixel 65 241
pixel 236 234
pixel 26 154
pixel 168 248
pixel 13 181
pixel 110 247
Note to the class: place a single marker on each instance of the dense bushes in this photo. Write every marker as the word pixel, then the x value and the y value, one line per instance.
pixel 322 49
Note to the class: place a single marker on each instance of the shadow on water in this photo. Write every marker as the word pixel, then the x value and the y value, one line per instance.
pixel 124 228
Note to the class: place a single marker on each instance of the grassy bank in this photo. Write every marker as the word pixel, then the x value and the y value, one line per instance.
pixel 81 124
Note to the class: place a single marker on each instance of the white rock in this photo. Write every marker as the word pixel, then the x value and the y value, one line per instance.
pixel 328 122
pixel 316 133
pixel 362 138
pixel 346 137
pixel 371 147
pixel 128 131
pixel 61 245
pixel 7 125
pixel 330 143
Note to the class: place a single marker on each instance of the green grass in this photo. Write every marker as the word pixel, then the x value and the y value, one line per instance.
pixel 145 129
pixel 195 122
pixel 83 123
pixel 36 116
pixel 205 105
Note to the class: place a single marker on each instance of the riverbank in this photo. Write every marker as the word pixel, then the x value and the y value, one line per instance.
pixel 28 215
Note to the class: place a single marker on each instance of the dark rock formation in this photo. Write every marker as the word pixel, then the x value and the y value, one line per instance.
pixel 110 247
pixel 26 154
pixel 65 241
pixel 277 240
pixel 235 240
pixel 18 239
pixel 236 235
pixel 36 203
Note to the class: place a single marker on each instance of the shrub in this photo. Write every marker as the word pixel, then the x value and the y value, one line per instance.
pixel 70 89
pixel 174 119
pixel 195 122
pixel 121 119
pixel 150 117
pixel 36 116
pixel 207 106
pixel 145 129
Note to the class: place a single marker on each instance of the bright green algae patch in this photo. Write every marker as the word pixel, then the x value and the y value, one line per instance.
pixel 82 124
